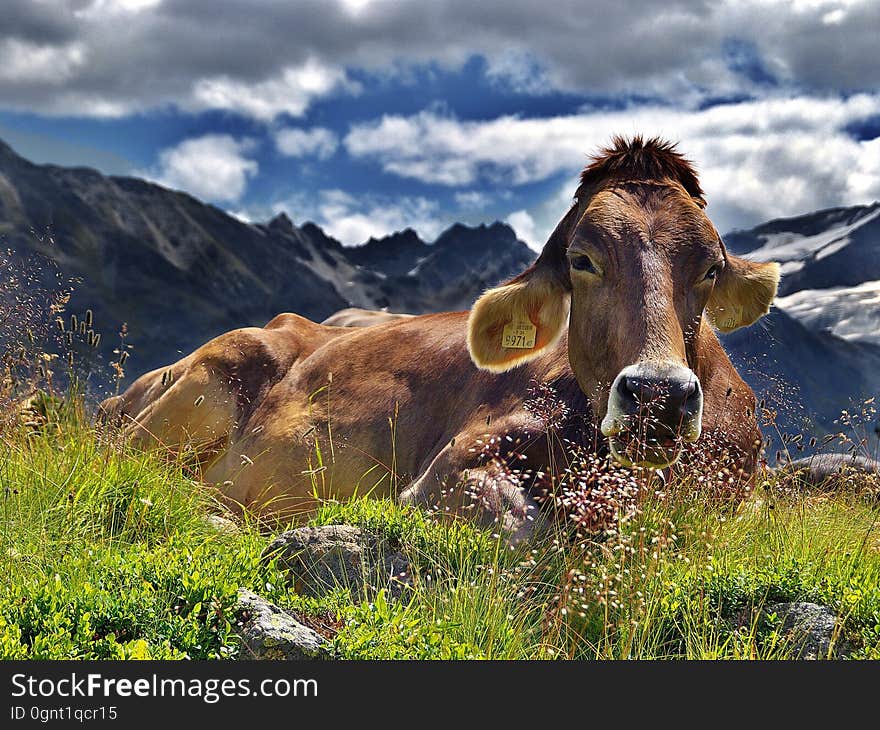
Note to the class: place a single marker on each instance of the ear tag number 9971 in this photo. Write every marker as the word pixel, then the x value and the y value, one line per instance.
pixel 519 335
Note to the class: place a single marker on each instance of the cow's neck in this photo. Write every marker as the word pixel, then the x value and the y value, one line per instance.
pixel 579 426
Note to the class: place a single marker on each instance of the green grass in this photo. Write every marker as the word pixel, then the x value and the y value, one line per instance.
pixel 105 554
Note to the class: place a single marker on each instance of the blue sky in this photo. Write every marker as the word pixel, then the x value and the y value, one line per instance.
pixel 368 116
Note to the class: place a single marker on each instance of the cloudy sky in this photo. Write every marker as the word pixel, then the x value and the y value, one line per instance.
pixel 367 116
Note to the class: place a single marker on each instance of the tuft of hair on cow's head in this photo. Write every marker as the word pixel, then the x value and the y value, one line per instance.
pixel 634 269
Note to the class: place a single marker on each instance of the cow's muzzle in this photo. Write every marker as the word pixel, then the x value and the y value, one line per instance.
pixel 653 408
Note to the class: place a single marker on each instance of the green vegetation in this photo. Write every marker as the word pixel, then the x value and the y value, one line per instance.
pixel 106 554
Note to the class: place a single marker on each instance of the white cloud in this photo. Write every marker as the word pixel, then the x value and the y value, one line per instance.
pixel 522 71
pixel 200 54
pixel 355 6
pixel 524 225
pixel 317 142
pixel 25 62
pixel 472 199
pixel 290 92
pixel 214 167
pixel 104 7
pixel 757 159
pixel 444 150
pixel 353 220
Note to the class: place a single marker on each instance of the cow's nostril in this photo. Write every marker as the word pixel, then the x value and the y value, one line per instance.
pixel 647 391
pixel 628 388
pixel 642 389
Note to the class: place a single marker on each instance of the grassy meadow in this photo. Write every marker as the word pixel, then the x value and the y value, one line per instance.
pixel 106 554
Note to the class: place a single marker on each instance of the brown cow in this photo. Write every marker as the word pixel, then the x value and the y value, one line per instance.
pixel 293 412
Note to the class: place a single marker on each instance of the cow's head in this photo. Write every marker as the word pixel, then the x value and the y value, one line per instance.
pixel 637 264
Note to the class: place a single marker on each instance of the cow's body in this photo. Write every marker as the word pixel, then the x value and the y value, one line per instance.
pixel 260 404
pixel 294 412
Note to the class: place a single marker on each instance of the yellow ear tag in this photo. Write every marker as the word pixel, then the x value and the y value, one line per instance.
pixel 519 336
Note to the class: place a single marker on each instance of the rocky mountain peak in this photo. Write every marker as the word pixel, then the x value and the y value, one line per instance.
pixel 393 255
pixel 398 239
pixel 315 233
pixel 461 235
pixel 822 250
pixel 281 222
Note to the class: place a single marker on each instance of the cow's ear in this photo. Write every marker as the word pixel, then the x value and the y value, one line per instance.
pixel 517 321
pixel 743 293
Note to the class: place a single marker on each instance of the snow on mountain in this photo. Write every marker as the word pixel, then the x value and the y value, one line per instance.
pixel 820 346
pixel 793 250
pixel 852 313
pixel 830 268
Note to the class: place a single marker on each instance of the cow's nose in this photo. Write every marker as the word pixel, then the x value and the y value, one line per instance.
pixel 671 393
pixel 655 398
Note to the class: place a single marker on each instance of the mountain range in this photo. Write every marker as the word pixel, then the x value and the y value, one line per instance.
pixel 178 272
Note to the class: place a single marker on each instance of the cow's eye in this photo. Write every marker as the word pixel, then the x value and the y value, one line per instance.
pixel 713 272
pixel 582 263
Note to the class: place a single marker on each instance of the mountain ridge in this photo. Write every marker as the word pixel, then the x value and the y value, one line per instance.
pixel 180 271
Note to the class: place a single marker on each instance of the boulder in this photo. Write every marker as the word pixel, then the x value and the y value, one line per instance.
pixel 832 471
pixel 267 631
pixel 808 629
pixel 317 559
pixel 221 524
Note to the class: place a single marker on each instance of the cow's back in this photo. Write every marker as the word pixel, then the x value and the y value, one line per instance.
pixel 357 317
pixel 201 398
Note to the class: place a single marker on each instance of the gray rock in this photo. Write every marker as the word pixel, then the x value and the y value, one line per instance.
pixel 318 559
pixel 808 629
pixel 269 632
pixel 221 524
pixel 832 471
